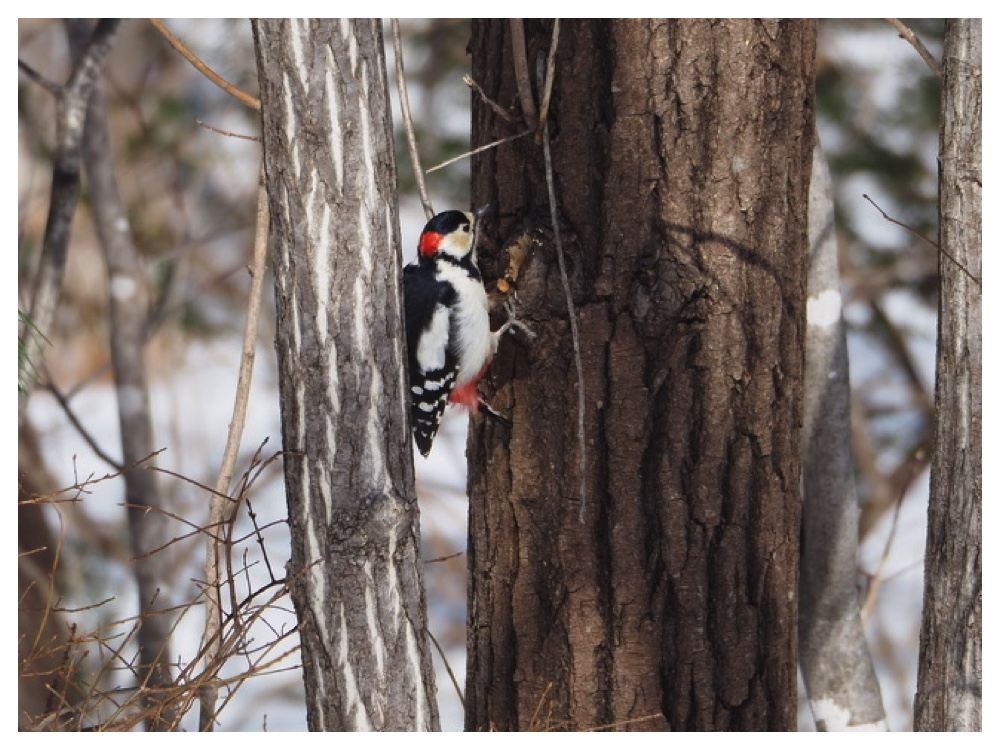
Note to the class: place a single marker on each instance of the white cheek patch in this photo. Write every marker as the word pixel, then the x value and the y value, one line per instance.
pixel 433 344
pixel 456 244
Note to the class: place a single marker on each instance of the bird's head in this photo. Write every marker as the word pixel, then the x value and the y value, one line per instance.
pixel 450 233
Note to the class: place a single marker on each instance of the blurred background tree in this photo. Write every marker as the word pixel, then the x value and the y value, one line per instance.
pixel 190 195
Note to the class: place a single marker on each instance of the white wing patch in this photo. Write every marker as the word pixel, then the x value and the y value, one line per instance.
pixel 433 344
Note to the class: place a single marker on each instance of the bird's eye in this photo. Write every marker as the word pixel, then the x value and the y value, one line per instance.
pixel 465 227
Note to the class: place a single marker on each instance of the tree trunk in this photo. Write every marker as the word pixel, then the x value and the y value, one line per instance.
pixel 950 676
pixel 837 667
pixel 682 153
pixel 128 315
pixel 71 112
pixel 355 574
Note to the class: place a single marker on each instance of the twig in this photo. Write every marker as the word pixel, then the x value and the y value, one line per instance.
pixel 878 576
pixel 532 725
pixel 444 558
pixel 447 666
pixel 521 71
pixel 80 487
pixel 550 74
pixel 51 86
pixel 75 421
pixel 226 132
pixel 501 112
pixel 191 57
pixel 571 310
pixel 933 244
pixel 907 33
pixel 475 151
pixel 217 503
pixel 624 722
pixel 404 105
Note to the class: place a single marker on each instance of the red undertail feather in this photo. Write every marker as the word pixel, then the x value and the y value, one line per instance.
pixel 467 394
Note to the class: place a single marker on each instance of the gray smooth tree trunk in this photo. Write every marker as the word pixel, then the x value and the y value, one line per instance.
pixel 355 573
pixel 837 668
pixel 950 676
pixel 128 316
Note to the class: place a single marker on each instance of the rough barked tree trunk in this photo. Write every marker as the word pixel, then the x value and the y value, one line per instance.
pixel 682 152
pixel 950 677
pixel 355 572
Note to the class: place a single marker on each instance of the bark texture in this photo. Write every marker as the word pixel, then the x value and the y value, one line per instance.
pixel 950 676
pixel 355 572
pixel 682 153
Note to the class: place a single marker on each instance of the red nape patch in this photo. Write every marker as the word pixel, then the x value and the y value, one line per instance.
pixel 429 242
pixel 467 395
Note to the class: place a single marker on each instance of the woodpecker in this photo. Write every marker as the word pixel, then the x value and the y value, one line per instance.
pixel 448 335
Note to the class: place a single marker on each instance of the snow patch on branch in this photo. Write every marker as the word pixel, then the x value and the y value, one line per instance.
pixel 131 400
pixel 823 309
pixel 123 287
pixel 832 717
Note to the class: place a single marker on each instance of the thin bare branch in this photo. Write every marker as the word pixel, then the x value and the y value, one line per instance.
pixel 447 666
pixel 571 312
pixel 907 33
pixel 475 151
pixel 550 74
pixel 51 86
pixel 217 505
pixel 202 68
pixel 74 420
pixel 404 105
pixel 915 233
pixel 226 132
pixel 501 112
pixel 915 465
